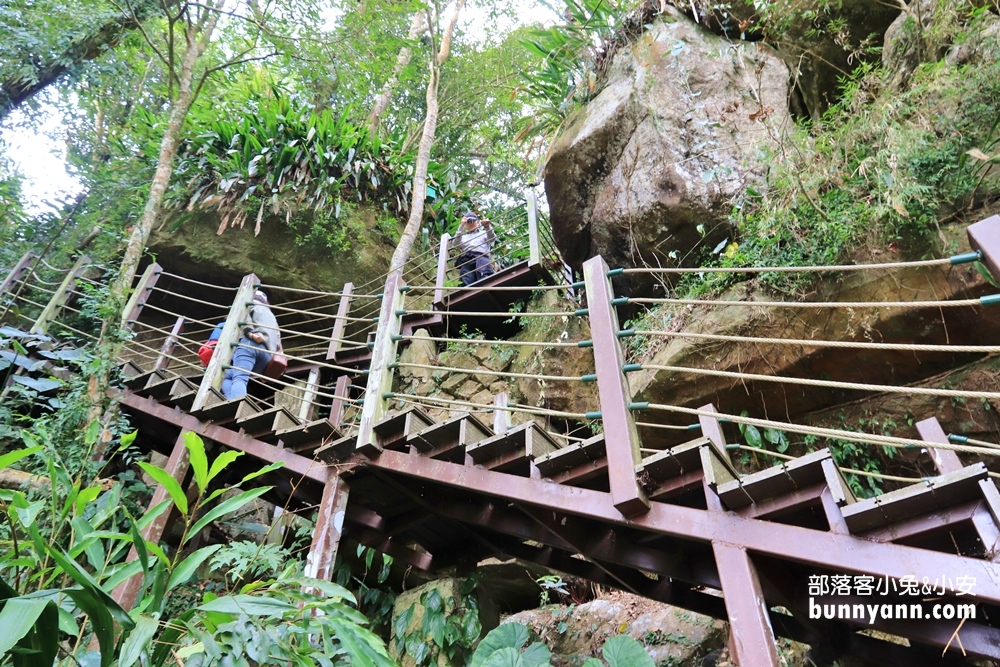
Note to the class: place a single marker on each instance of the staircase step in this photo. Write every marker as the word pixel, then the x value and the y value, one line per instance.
pixel 137 382
pixel 338 450
pixel 391 432
pixel 447 440
pixel 130 369
pixel 572 456
pixel 514 450
pixel 262 422
pixel 222 410
pixel 182 394
pixel 931 495
pixel 673 462
pixel 158 387
pixel 309 436
pixel 786 478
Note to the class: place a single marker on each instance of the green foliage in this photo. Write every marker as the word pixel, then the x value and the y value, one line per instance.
pixel 507 646
pixel 448 630
pixel 62 553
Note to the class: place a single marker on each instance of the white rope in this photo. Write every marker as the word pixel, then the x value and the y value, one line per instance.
pixel 486 371
pixel 793 269
pixel 806 342
pixel 817 304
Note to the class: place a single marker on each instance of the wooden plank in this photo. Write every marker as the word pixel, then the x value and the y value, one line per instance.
pixel 442 270
pixel 312 433
pixel 60 297
pixel 329 527
pixel 534 247
pixel 380 374
pixel 340 323
pixel 136 301
pixel 571 456
pixel 915 500
pixel 781 479
pixel 337 450
pixel 750 626
pixel 674 461
pixel 17 272
pixel 169 344
pixel 984 236
pixel 392 430
pixel 230 335
pixel 261 422
pixel 717 469
pixel 945 460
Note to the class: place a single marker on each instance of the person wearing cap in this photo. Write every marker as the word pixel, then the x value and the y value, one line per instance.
pixel 474 240
pixel 259 340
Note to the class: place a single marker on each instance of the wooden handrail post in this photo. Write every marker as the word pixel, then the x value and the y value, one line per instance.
pixel 230 336
pixel 339 398
pixel 138 298
pixel 167 349
pixel 534 247
pixel 309 395
pixel 329 528
pixel 621 435
pixel 340 322
pixel 375 406
pixel 442 271
pixel 17 272
pixel 61 296
pixel 501 416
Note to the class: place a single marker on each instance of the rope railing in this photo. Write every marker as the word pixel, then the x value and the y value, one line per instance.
pixel 852 471
pixel 154 354
pixel 49 266
pixel 832 384
pixel 944 261
pixel 310 362
pixel 319 292
pixel 836 434
pixel 267 380
pixel 76 331
pixel 486 371
pixel 484 341
pixel 197 282
pixel 496 288
pixel 962 440
pixel 179 339
pixel 672 427
pixel 161 290
pixel 956 303
pixel 510 407
pixel 808 342
pixel 175 315
pixel 43 290
pixel 38 279
pixel 457 313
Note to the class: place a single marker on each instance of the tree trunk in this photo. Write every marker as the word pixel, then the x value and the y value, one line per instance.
pixel 111 343
pixel 14 92
pixel 412 229
pixel 417 27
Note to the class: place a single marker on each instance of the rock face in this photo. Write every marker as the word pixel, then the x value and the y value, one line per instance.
pixel 671 636
pixel 653 163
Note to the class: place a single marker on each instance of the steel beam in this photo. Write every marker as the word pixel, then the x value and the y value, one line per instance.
pixel 749 622
pixel 127 592
pixel 329 527
pixel 60 297
pixel 17 272
pixel 842 553
pixel 340 397
pixel 984 236
pixel 622 438
pixel 945 460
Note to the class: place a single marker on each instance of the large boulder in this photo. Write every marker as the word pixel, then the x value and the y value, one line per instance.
pixel 653 164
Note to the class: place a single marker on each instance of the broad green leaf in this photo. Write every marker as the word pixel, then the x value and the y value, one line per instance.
pixel 127 440
pixel 139 542
pixel 592 662
pixel 752 436
pixel 623 651
pixel 101 621
pixel 18 618
pixel 138 640
pixel 329 589
pixel 263 471
pixel 199 462
pixel 93 430
pixel 251 605
pixel 183 572
pixel 226 507
pixel 86 497
pixel 505 657
pixel 222 461
pixel 11 458
pixel 27 514
pixel 90 586
pixel 536 655
pixel 93 548
pixel 122 572
pixel 150 516
pixel 507 635
pixel 171 485
pixel 67 623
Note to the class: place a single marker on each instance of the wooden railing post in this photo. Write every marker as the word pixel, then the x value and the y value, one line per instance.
pixel 621 435
pixel 61 296
pixel 534 246
pixel 340 322
pixel 442 271
pixel 230 336
pixel 138 298
pixel 339 399
pixel 167 349
pixel 17 272
pixel 501 416
pixel 309 395
pixel 375 406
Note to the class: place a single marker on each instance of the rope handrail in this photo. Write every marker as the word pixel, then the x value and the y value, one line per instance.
pixel 197 282
pixel 837 434
pixel 179 339
pixel 981 301
pixel 76 331
pixel 484 341
pixel 293 334
pixel 173 314
pixel 486 371
pixel 319 292
pixel 157 288
pixel 853 471
pixel 43 289
pixel 498 288
pixel 457 313
pixel 33 303
pixel 832 384
pixel 961 439
pixel 268 380
pixel 38 279
pixel 957 259
pixel 156 354
pixel 510 407
pixel 672 427
pixel 311 362
pixel 807 342
pixel 42 260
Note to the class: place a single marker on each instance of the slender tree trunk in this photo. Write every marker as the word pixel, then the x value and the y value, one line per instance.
pixel 417 27
pixel 412 229
pixel 197 40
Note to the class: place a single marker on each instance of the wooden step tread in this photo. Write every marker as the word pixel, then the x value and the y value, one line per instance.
pixel 391 432
pixel 916 500
pixel 312 433
pixel 673 462
pixel 466 429
pixel 223 410
pixel 337 450
pixel 785 478
pixel 571 456
pixel 519 445
pixel 263 421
